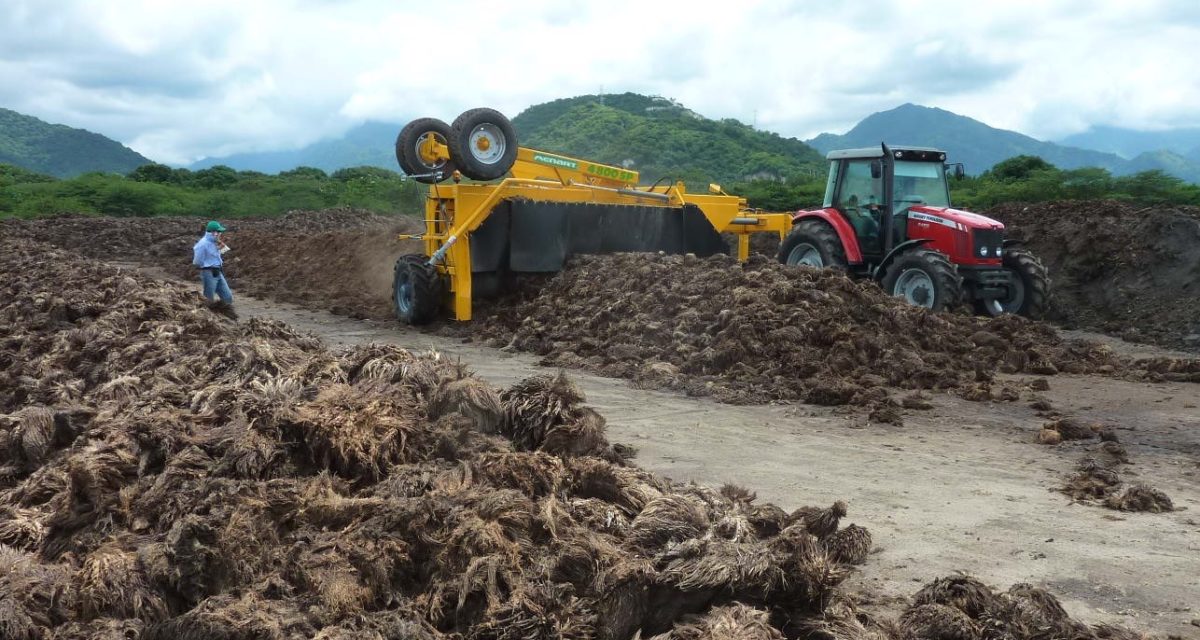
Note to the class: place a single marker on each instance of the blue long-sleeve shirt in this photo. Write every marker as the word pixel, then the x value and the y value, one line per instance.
pixel 206 253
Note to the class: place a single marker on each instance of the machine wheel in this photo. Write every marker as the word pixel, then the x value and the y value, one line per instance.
pixel 924 278
pixel 1031 287
pixel 483 143
pixel 416 290
pixel 813 243
pixel 408 149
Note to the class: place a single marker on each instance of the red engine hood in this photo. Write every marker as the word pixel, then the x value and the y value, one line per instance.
pixel 955 217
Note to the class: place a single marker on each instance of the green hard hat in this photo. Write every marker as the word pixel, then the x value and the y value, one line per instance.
pixel 213 225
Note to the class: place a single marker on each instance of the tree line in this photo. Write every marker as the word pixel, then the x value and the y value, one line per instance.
pixel 1018 179
pixel 156 189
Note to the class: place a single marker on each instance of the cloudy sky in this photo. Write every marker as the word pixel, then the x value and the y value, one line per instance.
pixel 181 80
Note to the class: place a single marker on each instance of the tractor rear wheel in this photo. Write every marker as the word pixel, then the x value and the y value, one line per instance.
pixel 409 153
pixel 1030 286
pixel 815 244
pixel 483 143
pixel 416 290
pixel 924 278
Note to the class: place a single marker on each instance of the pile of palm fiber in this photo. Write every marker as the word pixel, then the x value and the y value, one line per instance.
pixel 167 473
pixel 761 332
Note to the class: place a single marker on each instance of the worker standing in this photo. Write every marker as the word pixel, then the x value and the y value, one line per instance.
pixel 207 257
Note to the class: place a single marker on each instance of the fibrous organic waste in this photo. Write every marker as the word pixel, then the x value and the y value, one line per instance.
pixel 760 332
pixel 167 473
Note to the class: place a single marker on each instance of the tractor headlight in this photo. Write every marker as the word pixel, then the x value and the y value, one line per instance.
pixel 983 252
pixel 999 251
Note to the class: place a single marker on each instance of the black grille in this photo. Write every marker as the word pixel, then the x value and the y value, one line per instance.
pixel 989 238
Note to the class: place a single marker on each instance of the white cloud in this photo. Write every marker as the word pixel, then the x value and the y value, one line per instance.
pixel 178 81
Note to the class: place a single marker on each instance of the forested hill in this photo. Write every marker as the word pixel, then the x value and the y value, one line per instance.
pixel 59 150
pixel 662 139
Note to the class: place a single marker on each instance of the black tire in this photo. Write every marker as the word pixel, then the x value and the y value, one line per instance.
pixel 479 163
pixel 941 289
pixel 1033 281
pixel 409 156
pixel 416 290
pixel 817 235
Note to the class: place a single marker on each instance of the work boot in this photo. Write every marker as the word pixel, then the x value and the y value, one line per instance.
pixel 224 308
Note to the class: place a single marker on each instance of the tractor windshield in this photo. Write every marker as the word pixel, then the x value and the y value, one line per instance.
pixel 920 183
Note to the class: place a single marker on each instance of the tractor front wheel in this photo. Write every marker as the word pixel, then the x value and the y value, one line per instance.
pixel 416 290
pixel 1030 286
pixel 924 278
pixel 815 244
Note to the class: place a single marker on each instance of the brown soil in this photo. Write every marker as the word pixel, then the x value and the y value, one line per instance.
pixel 339 260
pixel 1127 270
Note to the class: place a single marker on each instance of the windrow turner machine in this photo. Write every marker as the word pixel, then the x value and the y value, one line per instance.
pixel 527 211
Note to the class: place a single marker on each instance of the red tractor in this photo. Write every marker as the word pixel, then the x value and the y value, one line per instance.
pixel 887 216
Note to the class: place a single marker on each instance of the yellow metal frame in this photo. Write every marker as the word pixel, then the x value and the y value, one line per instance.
pixel 454 210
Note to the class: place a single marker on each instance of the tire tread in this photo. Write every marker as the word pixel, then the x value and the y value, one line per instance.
pixel 822 236
pixel 427 289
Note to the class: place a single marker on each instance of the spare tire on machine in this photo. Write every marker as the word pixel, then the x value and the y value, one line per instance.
pixel 483 144
pixel 408 150
pixel 416 290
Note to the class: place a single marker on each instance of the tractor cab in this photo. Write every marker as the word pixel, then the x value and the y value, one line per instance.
pixel 887 216
pixel 874 188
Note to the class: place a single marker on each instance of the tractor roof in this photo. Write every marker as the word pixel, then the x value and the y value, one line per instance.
pixel 903 152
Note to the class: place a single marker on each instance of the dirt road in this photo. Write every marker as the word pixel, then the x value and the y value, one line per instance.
pixel 959 487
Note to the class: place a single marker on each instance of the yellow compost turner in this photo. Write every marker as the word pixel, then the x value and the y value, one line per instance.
pixel 530 210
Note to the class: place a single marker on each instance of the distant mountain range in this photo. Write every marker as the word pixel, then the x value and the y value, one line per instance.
pixel 655 136
pixel 61 151
pixel 370 144
pixel 980 146
pixel 1129 143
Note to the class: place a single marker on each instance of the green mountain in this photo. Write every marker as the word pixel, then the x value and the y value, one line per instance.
pixel 963 139
pixel 59 150
pixel 661 139
pixel 652 135
pixel 1168 161
pixel 980 146
pixel 371 144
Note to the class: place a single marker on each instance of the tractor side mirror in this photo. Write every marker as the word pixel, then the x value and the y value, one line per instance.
pixel 876 169
pixel 960 171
